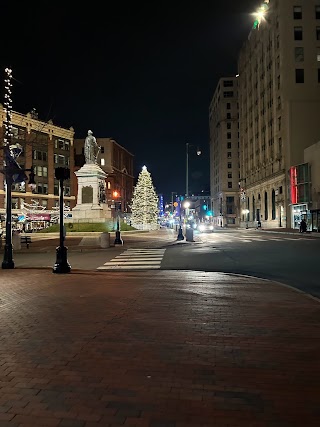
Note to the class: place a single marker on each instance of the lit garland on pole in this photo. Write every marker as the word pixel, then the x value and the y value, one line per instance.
pixel 8 107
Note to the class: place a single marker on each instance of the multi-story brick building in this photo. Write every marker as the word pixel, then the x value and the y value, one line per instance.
pixel 45 147
pixel 279 104
pixel 224 153
pixel 117 162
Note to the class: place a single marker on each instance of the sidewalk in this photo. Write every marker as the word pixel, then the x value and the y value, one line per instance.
pixel 156 349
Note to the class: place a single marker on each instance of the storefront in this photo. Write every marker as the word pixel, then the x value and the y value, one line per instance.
pixel 315 220
pixel 37 221
pixel 300 212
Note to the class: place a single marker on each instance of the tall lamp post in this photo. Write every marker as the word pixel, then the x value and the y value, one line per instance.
pixel 246 212
pixel 62 265
pixel 187 165
pixel 117 240
pixel 180 235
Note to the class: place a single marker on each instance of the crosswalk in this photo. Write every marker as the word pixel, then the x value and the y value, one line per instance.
pixel 248 239
pixel 135 259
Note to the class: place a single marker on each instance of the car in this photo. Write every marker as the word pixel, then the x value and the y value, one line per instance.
pixel 205 227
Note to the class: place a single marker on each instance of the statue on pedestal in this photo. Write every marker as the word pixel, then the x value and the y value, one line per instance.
pixel 91 149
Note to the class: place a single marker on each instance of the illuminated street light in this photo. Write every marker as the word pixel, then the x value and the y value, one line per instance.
pixel 260 14
pixel 246 212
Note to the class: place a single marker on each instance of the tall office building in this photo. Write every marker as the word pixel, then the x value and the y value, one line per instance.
pixel 279 105
pixel 224 153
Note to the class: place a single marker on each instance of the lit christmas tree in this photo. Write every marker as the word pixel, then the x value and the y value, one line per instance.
pixel 144 206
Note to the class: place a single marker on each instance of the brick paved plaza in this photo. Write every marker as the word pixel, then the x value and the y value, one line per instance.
pixel 156 349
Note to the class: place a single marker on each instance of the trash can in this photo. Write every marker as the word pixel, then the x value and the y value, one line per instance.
pixel 16 241
pixel 105 240
pixel 189 235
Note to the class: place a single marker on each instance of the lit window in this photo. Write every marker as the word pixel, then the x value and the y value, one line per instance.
pixel 318 54
pixel 102 162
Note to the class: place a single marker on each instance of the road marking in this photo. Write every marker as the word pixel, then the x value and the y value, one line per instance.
pixel 143 259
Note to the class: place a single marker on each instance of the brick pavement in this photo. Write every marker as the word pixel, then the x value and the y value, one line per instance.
pixel 156 349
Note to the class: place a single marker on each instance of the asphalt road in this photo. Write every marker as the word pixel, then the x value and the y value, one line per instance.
pixel 287 258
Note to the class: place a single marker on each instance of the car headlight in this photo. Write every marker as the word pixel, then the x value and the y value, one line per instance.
pixel 202 227
pixel 210 227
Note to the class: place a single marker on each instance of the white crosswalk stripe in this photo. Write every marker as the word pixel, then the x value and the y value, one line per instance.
pixel 143 259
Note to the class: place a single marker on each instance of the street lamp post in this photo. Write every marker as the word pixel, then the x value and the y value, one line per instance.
pixel 118 240
pixel 187 165
pixel 62 265
pixel 246 212
pixel 180 234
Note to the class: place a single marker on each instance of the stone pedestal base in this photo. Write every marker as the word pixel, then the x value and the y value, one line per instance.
pixel 89 208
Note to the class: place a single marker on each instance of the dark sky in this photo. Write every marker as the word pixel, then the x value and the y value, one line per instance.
pixel 143 73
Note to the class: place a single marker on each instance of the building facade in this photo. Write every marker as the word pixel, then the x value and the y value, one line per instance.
pixel 117 162
pixel 279 104
pixel 224 153
pixel 45 147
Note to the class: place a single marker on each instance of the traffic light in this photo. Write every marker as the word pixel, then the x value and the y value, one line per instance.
pixel 62 173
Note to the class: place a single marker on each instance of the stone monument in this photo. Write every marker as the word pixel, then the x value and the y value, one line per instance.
pixel 91 200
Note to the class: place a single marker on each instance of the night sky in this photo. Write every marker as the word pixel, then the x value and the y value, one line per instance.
pixel 143 74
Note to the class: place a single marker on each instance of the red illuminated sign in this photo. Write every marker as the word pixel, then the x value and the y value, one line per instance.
pixel 293 185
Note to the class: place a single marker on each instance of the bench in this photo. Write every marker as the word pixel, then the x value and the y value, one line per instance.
pixel 26 240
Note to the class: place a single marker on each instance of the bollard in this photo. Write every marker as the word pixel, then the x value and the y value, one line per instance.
pixel 105 240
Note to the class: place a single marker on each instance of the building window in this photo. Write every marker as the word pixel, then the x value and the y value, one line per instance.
pixel 265 205
pixel 229 145
pixel 229 175
pixel 228 125
pixel 228 83
pixel 228 106
pixel 279 123
pixel 318 75
pixel 228 135
pixel 14 203
pixel 299 75
pixel 56 190
pixel 298 33
pixel 102 162
pixel 297 12
pixel 317 12
pixel 228 94
pixel 229 165
pixel 229 184
pixel 318 33
pixel 273 205
pixel 228 116
pixel 102 150
pixel 229 154
pixel 318 54
pixel 299 54
pixel 109 185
